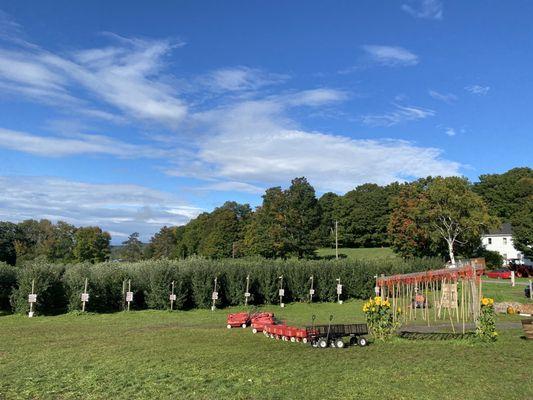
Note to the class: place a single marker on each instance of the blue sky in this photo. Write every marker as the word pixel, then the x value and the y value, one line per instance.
pixel 132 116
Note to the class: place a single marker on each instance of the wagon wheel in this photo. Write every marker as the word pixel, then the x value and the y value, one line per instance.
pixel 339 343
pixel 228 326
pixel 243 325
pixel 322 343
pixel 293 339
pixel 362 342
pixel 254 331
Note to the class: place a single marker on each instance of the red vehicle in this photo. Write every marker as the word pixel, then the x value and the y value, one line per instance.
pixel 499 274
pixel 241 319
pixel 260 320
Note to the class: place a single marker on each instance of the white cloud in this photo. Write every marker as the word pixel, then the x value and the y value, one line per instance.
pixel 450 131
pixel 428 9
pixel 445 97
pixel 119 208
pixel 241 79
pixel 255 142
pixel 230 186
pixel 398 115
pixel 77 143
pixel 391 56
pixel 126 76
pixel 477 89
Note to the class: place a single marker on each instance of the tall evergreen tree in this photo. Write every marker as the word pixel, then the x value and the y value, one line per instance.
pixel 132 249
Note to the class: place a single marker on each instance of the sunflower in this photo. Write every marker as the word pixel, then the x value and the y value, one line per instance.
pixel 485 301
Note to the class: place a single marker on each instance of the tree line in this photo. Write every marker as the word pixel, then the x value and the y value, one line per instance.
pixel 433 216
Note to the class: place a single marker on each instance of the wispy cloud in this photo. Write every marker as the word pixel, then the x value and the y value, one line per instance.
pixel 77 143
pixel 450 131
pixel 255 142
pixel 428 9
pixel 445 97
pixel 397 116
pixel 126 76
pixel 120 208
pixel 241 79
pixel 390 56
pixel 477 89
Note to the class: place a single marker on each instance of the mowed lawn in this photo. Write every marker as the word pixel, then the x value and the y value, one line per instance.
pixel 358 253
pixel 190 354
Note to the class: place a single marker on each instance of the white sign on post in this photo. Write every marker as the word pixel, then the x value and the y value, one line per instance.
pixel 85 297
pixel 172 297
pixel 32 298
pixel 282 292
pixel 129 296
pixel 339 289
pixel 247 294
pixel 214 296
pixel 312 292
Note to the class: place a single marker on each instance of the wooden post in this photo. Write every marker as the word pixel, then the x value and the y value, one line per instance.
pixel 339 291
pixel 32 298
pixel 123 295
pixel 84 297
pixel 247 293
pixel 530 289
pixel 129 291
pixel 512 279
pixel 312 289
pixel 281 291
pixel 172 297
pixel 215 295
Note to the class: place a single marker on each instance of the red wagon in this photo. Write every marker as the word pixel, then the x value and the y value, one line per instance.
pixel 241 319
pixel 261 320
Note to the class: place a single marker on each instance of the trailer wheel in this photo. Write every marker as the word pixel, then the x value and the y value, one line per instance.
pixel 293 339
pixel 243 325
pixel 254 331
pixel 304 340
pixel 228 326
pixel 362 342
pixel 339 343
pixel 322 343
pixel 271 336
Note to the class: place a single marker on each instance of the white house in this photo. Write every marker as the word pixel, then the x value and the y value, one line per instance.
pixel 501 240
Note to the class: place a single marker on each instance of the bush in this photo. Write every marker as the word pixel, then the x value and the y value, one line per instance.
pixel 151 282
pixel 48 285
pixel 8 282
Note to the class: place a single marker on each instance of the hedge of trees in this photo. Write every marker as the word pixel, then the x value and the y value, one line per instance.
pixel 59 287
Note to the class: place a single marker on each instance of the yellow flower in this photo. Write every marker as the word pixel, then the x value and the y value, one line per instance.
pixel 485 301
pixel 491 301
pixel 399 310
pixel 386 303
pixel 373 309
pixel 377 299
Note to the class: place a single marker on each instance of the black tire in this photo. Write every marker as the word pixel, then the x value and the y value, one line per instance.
pixel 322 343
pixel 362 341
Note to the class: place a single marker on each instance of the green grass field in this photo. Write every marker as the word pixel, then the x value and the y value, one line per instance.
pixel 190 354
pixel 377 252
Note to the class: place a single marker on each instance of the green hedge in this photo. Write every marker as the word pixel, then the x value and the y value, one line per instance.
pixel 59 287
pixel 8 282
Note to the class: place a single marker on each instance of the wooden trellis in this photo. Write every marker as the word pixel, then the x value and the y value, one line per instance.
pixel 451 293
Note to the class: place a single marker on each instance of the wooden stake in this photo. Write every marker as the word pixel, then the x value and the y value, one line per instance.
pixel 247 293
pixel 84 292
pixel 172 297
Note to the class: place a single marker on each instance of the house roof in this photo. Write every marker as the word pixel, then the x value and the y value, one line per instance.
pixel 505 229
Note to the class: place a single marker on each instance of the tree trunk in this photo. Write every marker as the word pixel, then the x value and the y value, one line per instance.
pixel 450 251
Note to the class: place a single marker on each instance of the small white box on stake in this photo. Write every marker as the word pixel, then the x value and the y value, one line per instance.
pixel 85 297
pixel 172 297
pixel 312 292
pixel 214 296
pixel 32 298
pixel 282 292
pixel 246 294
pixel 129 296
pixel 339 289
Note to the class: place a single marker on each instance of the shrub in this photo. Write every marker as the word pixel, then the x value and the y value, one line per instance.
pixel 151 281
pixel 8 282
pixel 48 285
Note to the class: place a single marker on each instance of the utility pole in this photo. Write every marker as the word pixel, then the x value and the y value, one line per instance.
pixel 336 239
